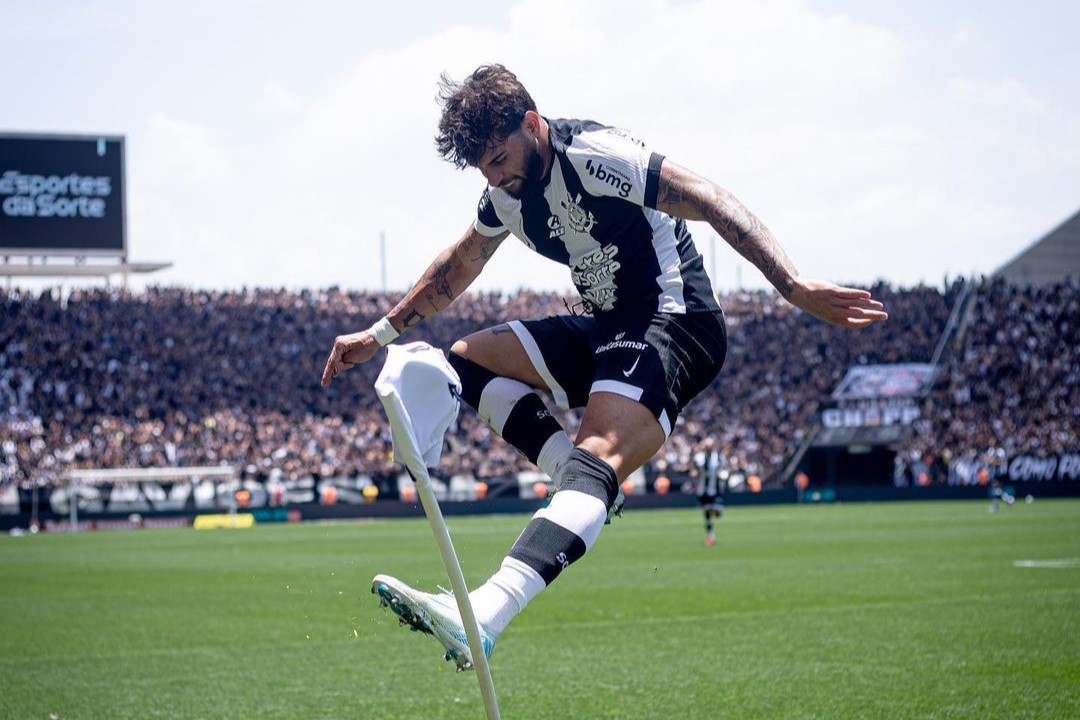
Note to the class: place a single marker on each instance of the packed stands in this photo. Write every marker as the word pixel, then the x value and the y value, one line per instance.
pixel 173 376
pixel 1010 388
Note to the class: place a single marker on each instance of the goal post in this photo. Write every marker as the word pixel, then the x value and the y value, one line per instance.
pixel 111 476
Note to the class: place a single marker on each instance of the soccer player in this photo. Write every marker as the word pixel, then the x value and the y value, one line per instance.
pixel 648 338
pixel 712 480
pixel 1000 494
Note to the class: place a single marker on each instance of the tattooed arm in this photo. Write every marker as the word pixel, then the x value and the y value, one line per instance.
pixel 685 194
pixel 447 277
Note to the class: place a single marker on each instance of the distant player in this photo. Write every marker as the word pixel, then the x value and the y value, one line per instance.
pixel 712 479
pixel 999 494
pixel 650 335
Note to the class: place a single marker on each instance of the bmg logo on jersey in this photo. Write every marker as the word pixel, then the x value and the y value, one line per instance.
pixel 609 176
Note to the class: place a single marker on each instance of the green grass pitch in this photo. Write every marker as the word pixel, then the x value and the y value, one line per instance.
pixel 885 612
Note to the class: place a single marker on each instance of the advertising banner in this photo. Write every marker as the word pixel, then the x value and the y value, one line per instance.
pixel 870 413
pixel 1056 468
pixel 865 382
pixel 62 195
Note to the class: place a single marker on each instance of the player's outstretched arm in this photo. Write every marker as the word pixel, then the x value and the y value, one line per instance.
pixel 685 194
pixel 452 272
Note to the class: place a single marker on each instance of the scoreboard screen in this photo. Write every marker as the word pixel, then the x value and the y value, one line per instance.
pixel 62 194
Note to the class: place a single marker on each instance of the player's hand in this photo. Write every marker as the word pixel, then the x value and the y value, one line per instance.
pixel 349 350
pixel 847 307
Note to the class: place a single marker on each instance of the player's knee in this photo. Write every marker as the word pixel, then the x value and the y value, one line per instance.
pixel 460 348
pixel 474 377
pixel 475 346
pixel 586 473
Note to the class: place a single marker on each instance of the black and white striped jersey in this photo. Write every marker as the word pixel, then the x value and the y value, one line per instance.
pixel 597 215
pixel 712 480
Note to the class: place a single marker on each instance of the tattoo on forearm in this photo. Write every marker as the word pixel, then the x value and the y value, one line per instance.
pixel 412 319
pixel 740 227
pixel 754 241
pixel 483 253
pixel 488 247
pixel 441 280
pixel 675 192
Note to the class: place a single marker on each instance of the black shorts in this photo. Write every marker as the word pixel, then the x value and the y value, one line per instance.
pixel 711 502
pixel 661 361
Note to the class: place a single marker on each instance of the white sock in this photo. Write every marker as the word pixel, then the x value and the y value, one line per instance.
pixel 552 456
pixel 505 594
pixel 509 590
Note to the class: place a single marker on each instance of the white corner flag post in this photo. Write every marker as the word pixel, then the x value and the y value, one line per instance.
pixel 408 452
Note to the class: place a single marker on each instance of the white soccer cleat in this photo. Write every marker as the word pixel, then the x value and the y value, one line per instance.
pixel 436 615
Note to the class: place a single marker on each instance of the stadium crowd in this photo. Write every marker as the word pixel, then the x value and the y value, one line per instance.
pixel 1010 387
pixel 172 376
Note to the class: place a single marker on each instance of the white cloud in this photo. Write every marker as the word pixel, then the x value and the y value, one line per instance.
pixel 282 98
pixel 180 175
pixel 710 83
pixel 175 151
pixel 25 21
pixel 865 157
pixel 1006 94
pixel 965 37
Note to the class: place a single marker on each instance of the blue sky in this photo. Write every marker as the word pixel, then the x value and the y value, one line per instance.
pixel 269 144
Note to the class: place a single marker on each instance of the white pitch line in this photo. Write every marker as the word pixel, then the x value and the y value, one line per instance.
pixel 1064 563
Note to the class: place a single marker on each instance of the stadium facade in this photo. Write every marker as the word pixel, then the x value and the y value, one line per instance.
pixel 1054 258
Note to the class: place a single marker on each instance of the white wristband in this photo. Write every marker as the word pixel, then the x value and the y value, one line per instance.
pixel 383 332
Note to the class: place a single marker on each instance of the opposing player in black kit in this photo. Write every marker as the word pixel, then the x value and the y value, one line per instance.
pixel 651 335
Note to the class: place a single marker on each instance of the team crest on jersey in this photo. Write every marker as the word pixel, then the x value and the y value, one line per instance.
pixel 580 220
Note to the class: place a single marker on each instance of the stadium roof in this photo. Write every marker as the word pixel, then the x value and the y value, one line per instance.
pixel 80 270
pixel 1049 260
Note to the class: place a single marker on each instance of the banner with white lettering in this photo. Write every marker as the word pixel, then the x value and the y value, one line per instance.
pixel 1064 467
pixel 870 413
pixel 202 495
pixel 62 194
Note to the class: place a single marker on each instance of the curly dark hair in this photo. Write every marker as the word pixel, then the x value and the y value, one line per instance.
pixel 488 106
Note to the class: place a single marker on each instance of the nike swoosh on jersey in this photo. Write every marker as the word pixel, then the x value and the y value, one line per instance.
pixel 633 367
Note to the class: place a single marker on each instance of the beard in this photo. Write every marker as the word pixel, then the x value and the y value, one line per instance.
pixel 533 178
